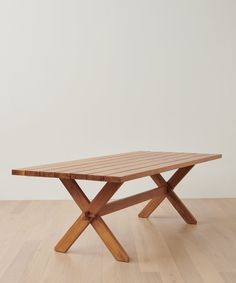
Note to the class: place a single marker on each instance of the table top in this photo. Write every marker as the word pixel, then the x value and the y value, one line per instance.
pixel 119 167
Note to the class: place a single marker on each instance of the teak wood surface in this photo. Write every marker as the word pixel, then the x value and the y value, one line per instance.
pixel 115 170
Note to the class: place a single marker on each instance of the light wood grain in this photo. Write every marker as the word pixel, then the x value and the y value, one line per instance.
pixel 178 253
pixel 117 168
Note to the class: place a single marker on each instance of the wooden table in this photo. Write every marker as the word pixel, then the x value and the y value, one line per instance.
pixel 115 170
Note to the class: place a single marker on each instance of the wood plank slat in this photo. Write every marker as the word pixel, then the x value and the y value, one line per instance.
pixel 147 170
pixel 108 163
pixel 97 161
pixel 131 164
pixel 101 166
pixel 120 168
pixel 139 164
pixel 54 168
pixel 152 170
pixel 90 160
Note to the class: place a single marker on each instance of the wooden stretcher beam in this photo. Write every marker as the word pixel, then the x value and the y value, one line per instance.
pixel 132 200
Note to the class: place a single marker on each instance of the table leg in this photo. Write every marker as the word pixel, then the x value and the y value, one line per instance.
pixel 170 195
pixel 90 211
pixel 181 208
pixel 71 235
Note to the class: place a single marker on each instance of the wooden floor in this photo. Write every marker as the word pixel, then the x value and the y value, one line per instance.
pixel 161 249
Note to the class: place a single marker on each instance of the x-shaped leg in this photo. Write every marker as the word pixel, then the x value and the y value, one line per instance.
pixel 170 195
pixel 90 215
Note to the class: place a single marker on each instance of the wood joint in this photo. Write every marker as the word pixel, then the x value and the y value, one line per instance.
pixel 88 216
pixel 169 187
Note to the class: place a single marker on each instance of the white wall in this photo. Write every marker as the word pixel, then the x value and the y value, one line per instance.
pixel 85 78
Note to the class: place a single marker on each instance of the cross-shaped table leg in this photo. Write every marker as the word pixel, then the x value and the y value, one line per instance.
pixel 170 195
pixel 90 215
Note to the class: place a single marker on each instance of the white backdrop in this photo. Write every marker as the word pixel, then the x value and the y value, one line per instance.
pixel 87 78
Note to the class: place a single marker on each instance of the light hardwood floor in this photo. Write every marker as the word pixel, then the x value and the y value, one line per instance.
pixel 161 249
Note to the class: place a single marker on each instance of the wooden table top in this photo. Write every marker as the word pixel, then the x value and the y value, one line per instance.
pixel 117 168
